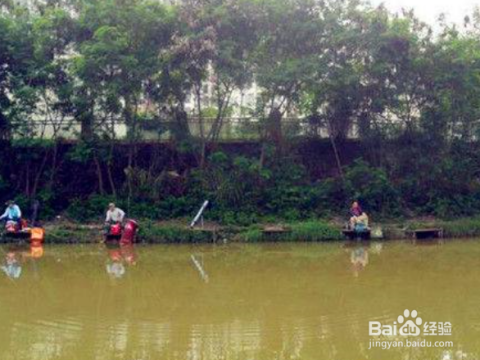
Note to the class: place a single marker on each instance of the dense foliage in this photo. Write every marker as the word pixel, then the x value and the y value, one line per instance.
pixel 410 95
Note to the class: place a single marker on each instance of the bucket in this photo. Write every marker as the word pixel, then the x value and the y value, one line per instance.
pixel 37 235
pixel 129 232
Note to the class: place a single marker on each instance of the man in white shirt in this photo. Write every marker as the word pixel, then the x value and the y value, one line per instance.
pixel 114 214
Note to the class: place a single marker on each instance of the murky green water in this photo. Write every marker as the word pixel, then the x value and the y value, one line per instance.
pixel 285 301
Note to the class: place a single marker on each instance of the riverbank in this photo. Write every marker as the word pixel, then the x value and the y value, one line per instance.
pixel 177 232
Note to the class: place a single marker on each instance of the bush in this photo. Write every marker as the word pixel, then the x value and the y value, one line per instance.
pixel 242 191
pixel 372 188
pixel 175 207
pixel 328 197
pixel 4 188
pixel 89 209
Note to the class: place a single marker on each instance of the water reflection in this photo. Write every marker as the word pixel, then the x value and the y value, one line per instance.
pixel 428 242
pixel 11 265
pixel 453 355
pixel 267 302
pixel 16 255
pixel 199 263
pixel 120 257
pixel 359 259
pixel 360 254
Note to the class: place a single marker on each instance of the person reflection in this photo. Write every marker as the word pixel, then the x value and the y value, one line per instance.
pixel 120 255
pixel 359 259
pixel 12 264
pixel 15 256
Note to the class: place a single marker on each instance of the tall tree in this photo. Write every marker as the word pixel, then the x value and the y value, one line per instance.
pixel 119 51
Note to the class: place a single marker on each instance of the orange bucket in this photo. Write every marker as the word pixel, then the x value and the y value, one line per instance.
pixel 37 235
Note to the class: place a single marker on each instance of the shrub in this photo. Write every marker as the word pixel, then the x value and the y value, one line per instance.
pixel 372 188
pixel 328 197
pixel 92 208
pixel 175 207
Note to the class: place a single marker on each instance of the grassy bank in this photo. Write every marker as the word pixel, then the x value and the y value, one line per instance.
pixel 177 232
pixel 65 233
pixel 301 231
pixel 458 228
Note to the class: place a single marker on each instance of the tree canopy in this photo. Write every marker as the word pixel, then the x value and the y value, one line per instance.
pixel 320 68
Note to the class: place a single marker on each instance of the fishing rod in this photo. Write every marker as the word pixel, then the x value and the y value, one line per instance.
pixel 199 215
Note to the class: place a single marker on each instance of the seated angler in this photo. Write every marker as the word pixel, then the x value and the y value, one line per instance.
pixel 115 216
pixel 358 218
pixel 12 213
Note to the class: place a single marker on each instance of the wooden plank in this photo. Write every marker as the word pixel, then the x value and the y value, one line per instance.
pixel 352 234
pixel 275 229
pixel 433 233
pixel 17 235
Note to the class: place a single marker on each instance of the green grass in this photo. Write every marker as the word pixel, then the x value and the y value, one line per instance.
pixel 313 231
pixel 308 231
pixel 149 232
pixel 459 228
pixel 65 235
pixel 252 234
pixel 153 233
pixel 467 227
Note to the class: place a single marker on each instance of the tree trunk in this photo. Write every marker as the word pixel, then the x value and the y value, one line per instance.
pixel 53 172
pixel 203 140
pixel 109 171
pixel 131 133
pixel 274 132
pixel 39 175
pixel 86 127
pixel 335 149
pixel 101 188
pixel 5 131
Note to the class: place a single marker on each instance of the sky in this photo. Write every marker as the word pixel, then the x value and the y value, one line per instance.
pixel 428 10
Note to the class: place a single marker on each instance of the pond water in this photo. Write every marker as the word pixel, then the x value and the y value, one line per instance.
pixel 258 302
